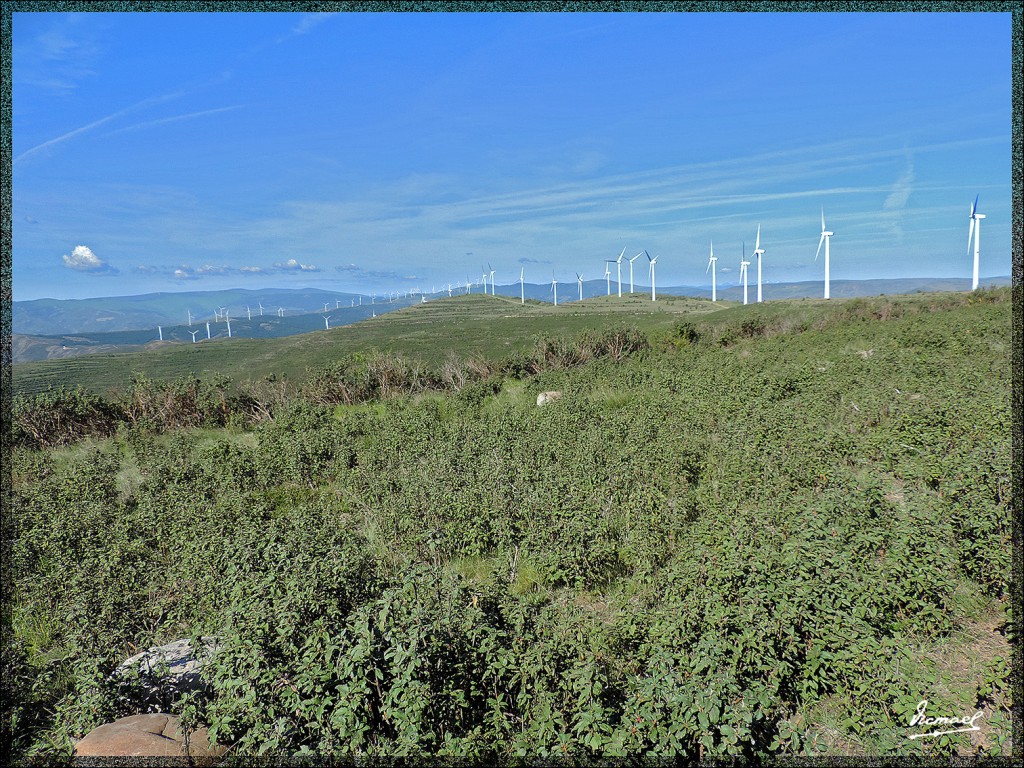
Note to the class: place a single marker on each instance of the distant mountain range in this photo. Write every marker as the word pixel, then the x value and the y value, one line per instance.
pixel 46 329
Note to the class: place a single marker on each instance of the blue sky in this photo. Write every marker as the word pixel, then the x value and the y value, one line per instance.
pixel 379 152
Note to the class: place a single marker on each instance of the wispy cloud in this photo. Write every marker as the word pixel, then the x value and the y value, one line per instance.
pixel 58 58
pixel 95 124
pixel 173 119
pixel 310 21
pixel 896 202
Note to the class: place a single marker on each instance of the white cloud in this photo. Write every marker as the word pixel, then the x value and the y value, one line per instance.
pixel 251 269
pixel 296 265
pixel 84 260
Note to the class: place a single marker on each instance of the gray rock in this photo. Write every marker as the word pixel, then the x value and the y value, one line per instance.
pixel 159 675
pixel 548 397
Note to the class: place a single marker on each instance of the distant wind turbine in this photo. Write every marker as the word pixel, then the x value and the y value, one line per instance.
pixel 327 324
pixel 825 235
pixel 189 317
pixel 248 312
pixel 522 286
pixel 449 290
pixel 618 265
pixel 653 262
pixel 631 269
pixel 228 321
pixel 608 276
pixel 161 332
pixel 712 263
pixel 207 330
pixel 554 287
pixel 280 311
pixel 758 251
pixel 193 336
pixel 261 309
pixel 974 233
pixel 743 271
pixel 492 279
pixel 579 279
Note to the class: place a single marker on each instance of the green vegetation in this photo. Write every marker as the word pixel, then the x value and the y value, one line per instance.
pixel 468 326
pixel 757 531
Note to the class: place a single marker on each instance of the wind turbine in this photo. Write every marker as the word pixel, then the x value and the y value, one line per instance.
pixel 631 269
pixel 758 250
pixel 220 315
pixel 653 262
pixel 618 263
pixel 825 235
pixel 522 286
pixel 280 311
pixel 483 278
pixel 248 312
pixel 608 275
pixel 261 309
pixel 193 336
pixel 161 332
pixel 492 279
pixel 712 263
pixel 579 279
pixel 743 271
pixel 449 290
pixel 974 233
pixel 207 330
pixel 228 321
pixel 327 325
pixel 554 287
pixel 189 317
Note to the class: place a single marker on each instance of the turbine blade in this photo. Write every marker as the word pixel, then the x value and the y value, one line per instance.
pixel 708 267
pixel 974 206
pixel 970 235
pixel 823 218
pixel 757 244
pixel 822 240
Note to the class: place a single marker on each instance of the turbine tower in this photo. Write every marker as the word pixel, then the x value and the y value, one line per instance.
pixel 261 309
pixel 712 262
pixel 974 233
pixel 743 272
pixel 579 279
pixel 522 286
pixel 653 262
pixel 207 330
pixel 618 262
pixel 608 275
pixel 327 324
pixel 631 269
pixel 189 317
pixel 758 250
pixel 492 279
pixel 554 287
pixel 825 235
pixel 248 312
pixel 161 332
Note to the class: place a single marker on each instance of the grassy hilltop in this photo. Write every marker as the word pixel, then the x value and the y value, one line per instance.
pixel 752 531
pixel 473 324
